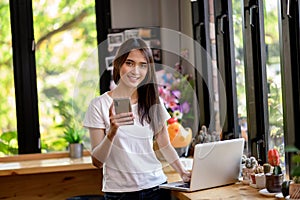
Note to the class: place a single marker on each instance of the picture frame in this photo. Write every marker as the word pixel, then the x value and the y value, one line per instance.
pixel 131 33
pixel 115 39
pixel 108 63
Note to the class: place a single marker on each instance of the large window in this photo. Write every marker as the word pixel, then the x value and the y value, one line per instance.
pixel 269 20
pixel 65 35
pixel 8 126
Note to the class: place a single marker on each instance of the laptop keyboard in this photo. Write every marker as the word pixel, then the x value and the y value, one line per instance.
pixel 184 185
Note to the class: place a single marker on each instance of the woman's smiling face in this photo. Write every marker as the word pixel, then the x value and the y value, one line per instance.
pixel 134 69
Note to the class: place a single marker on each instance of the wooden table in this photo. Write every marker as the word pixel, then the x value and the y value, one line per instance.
pixel 238 191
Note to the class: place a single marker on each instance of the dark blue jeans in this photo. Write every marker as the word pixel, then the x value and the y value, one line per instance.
pixel 154 193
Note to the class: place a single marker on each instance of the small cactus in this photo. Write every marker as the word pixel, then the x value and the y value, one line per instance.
pixel 251 162
pixel 267 168
pixel 258 169
pixel 244 158
pixel 204 136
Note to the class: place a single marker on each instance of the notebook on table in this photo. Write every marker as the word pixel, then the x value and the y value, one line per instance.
pixel 214 164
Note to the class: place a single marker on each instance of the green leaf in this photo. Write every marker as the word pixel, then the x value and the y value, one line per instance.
pixel 73 135
pixel 296 171
pixel 8 136
pixel 3 148
pixel 291 149
pixel 296 158
pixel 277 170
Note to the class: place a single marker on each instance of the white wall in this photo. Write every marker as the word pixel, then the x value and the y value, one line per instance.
pixel 135 13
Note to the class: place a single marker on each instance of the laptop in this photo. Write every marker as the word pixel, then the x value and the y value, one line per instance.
pixel 214 164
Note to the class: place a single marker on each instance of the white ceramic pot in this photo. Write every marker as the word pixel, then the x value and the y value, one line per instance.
pixel 260 180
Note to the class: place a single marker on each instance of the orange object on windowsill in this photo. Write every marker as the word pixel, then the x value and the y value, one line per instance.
pixel 179 136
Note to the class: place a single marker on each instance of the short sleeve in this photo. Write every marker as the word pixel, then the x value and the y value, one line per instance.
pixel 94 117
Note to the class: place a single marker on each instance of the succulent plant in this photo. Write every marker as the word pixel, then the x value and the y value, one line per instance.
pixel 204 136
pixel 267 168
pixel 259 169
pixel 274 160
pixel 244 158
pixel 251 162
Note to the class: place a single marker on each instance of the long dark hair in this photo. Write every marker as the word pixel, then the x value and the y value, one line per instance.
pixel 149 108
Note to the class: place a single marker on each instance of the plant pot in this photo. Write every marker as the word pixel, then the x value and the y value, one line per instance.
pixel 260 180
pixel 246 172
pixel 274 182
pixel 294 190
pixel 76 150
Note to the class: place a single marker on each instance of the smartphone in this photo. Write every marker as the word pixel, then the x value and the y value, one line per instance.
pixel 122 105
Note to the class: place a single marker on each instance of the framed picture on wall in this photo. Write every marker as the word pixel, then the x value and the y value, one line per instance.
pixel 108 62
pixel 115 39
pixel 131 33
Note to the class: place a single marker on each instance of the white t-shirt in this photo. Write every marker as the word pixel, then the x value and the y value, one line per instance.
pixel 132 164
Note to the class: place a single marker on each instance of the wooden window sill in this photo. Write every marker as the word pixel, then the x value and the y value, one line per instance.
pixel 43 163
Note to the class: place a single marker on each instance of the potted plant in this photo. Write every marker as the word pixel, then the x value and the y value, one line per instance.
pixel 274 180
pixel 260 178
pixel 294 186
pixel 248 169
pixel 74 137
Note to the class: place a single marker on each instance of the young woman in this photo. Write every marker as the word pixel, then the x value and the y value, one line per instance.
pixel 123 143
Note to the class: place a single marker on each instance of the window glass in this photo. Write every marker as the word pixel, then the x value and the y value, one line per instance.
pixel 65 34
pixel 8 126
pixel 276 137
pixel 239 64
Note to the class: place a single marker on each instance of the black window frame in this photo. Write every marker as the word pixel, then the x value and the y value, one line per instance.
pixel 255 78
pixel 226 68
pixel 23 46
pixel 203 67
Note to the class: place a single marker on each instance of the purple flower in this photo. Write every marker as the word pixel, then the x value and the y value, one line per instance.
pixel 185 107
pixel 176 93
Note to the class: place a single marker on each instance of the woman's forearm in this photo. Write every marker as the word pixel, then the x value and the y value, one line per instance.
pixel 101 152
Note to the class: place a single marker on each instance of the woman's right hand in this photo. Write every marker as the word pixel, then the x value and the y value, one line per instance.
pixel 117 120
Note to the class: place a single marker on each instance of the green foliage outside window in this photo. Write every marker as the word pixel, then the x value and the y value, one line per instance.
pixel 65 35
pixel 8 124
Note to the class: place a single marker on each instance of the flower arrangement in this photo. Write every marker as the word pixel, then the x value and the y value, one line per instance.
pixel 176 90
